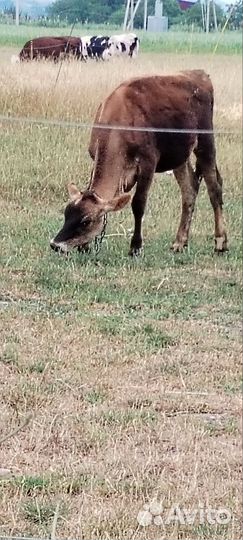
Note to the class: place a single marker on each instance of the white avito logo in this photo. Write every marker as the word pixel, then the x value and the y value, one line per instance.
pixel 154 514
pixel 151 514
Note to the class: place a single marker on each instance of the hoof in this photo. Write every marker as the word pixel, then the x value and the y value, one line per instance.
pixel 135 252
pixel 178 247
pixel 84 249
pixel 221 245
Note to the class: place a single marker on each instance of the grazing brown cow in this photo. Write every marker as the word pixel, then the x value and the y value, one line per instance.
pixel 51 47
pixel 124 159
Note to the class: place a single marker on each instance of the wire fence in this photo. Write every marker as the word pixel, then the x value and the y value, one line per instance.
pixel 35 47
pixel 113 127
pixel 23 538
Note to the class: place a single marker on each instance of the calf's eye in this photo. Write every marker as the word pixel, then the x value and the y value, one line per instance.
pixel 85 223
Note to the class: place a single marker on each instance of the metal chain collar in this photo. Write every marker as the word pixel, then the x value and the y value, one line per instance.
pixel 99 239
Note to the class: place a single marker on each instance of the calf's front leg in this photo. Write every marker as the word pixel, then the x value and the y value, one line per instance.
pixel 138 208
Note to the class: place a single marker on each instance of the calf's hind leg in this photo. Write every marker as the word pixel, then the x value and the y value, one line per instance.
pixel 206 163
pixel 214 185
pixel 189 184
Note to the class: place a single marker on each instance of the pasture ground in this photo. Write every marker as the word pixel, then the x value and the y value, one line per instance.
pixel 186 42
pixel 130 369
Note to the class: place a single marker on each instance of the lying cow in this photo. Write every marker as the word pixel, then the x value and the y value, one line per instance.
pixel 124 45
pixel 50 47
pixel 124 159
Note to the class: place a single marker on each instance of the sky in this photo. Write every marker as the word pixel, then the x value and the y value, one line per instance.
pixel 220 2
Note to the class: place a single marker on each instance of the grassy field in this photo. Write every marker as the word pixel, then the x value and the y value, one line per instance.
pixel 123 376
pixel 183 42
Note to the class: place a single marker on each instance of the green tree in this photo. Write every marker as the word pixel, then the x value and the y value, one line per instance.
pixel 114 5
pixel 118 16
pixel 172 10
pixel 70 10
pixel 96 11
pixel 194 15
pixel 101 11
pixel 236 17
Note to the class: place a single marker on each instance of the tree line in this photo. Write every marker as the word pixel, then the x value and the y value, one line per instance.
pixel 112 12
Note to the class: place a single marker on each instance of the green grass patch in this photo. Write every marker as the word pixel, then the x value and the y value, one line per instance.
pixel 127 418
pixel 39 513
pixel 94 396
pixel 206 531
pixel 226 426
pixel 168 42
pixel 142 337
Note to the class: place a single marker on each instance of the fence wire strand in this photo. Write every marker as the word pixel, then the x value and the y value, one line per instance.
pixel 57 46
pixel 116 127
pixel 25 538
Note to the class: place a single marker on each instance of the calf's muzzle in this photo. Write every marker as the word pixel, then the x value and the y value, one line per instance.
pixel 58 247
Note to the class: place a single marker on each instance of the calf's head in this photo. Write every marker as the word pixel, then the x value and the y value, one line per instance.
pixel 84 218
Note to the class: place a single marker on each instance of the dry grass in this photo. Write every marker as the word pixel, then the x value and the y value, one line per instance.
pixel 131 370
pixel 30 89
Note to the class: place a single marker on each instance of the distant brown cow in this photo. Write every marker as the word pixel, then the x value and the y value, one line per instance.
pixel 124 159
pixel 51 47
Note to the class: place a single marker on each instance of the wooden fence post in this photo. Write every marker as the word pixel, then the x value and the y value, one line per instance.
pixel 31 50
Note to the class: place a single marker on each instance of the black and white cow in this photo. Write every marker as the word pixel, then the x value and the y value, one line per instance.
pixel 124 44
pixel 85 40
pixel 96 47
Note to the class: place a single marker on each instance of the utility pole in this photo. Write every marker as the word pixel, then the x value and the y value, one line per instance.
pixel 132 14
pixel 145 14
pixel 209 2
pixel 203 14
pixel 215 17
pixel 126 15
pixel 17 12
pixel 207 16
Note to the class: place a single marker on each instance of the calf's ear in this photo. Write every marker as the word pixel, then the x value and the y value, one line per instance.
pixel 74 193
pixel 117 203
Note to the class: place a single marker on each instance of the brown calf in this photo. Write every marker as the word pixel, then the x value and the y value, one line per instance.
pixel 124 159
pixel 51 47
